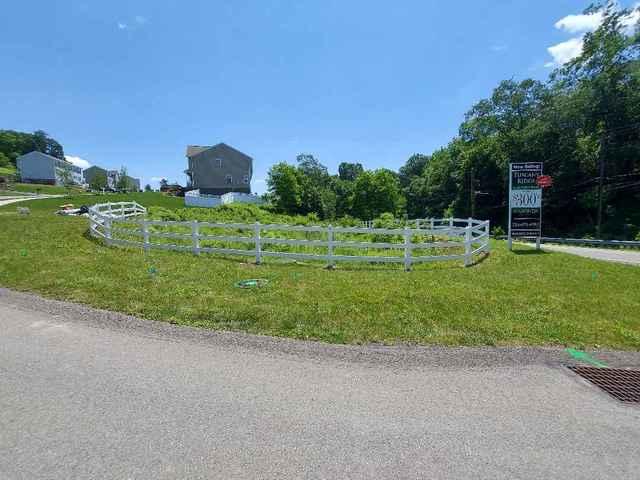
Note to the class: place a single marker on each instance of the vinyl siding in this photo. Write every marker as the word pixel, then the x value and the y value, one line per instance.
pixel 211 169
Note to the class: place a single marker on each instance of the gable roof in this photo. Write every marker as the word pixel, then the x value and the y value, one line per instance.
pixel 95 167
pixel 193 150
pixel 46 155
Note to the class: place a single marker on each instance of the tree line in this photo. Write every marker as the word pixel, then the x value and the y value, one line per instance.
pixel 14 144
pixel 583 123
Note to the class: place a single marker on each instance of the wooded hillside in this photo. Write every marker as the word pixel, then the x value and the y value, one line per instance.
pixel 13 144
pixel 583 123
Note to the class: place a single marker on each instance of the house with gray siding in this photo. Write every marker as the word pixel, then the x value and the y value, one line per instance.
pixel 38 167
pixel 112 176
pixel 91 172
pixel 133 183
pixel 218 169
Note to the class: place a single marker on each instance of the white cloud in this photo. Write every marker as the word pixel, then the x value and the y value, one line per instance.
pixel 565 51
pixel 140 19
pixel 580 23
pixel 631 20
pixel 498 48
pixel 157 179
pixel 122 26
pixel 77 161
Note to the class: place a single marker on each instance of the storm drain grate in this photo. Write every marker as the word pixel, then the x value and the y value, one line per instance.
pixel 619 383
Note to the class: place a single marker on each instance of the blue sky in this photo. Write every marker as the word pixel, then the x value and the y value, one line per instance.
pixel 132 83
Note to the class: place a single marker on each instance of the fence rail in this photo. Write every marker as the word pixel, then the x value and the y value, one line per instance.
pixel 125 223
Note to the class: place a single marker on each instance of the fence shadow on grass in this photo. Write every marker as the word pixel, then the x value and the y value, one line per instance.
pixel 96 241
pixel 529 251
pixel 480 259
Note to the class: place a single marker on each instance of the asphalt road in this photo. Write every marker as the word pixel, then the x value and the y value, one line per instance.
pixel 90 394
pixel 631 257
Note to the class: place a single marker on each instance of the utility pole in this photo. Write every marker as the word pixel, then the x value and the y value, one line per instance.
pixel 603 139
pixel 472 194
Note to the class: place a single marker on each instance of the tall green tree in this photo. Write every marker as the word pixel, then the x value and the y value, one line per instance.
pixel 65 175
pixel 124 183
pixel 4 160
pixel 582 124
pixel 14 144
pixel 349 171
pixel 311 167
pixel 284 188
pixel 605 82
pixel 414 167
pixel 376 192
pixel 42 142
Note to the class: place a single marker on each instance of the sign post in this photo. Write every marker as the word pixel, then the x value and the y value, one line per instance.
pixel 525 201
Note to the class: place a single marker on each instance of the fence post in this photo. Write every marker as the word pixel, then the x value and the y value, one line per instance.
pixel 256 236
pixel 407 249
pixel 330 245
pixel 467 244
pixel 417 224
pixel 488 236
pixel 145 234
pixel 195 237
pixel 431 223
pixel 107 230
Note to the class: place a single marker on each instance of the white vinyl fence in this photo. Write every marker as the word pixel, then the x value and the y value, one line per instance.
pixel 194 198
pixel 427 240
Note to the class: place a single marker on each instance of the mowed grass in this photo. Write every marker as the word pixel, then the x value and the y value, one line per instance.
pixel 506 299
pixel 45 189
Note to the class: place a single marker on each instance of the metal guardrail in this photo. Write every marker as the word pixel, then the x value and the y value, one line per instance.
pixel 590 242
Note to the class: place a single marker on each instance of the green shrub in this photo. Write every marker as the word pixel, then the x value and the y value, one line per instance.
pixel 498 231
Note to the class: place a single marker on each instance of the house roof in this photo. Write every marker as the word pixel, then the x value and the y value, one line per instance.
pixel 95 167
pixel 193 150
pixel 50 157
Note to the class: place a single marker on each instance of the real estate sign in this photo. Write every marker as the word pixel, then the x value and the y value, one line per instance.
pixel 525 200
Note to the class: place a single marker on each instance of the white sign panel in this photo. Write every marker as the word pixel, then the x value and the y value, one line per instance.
pixel 526 198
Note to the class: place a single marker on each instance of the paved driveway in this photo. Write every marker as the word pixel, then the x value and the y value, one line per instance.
pixel 87 394
pixel 8 200
pixel 631 257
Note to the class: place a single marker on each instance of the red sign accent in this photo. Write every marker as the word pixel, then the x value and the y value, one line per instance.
pixel 544 181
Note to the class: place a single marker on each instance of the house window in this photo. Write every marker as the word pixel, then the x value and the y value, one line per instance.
pixel 245 179
pixel 219 162
pixel 228 179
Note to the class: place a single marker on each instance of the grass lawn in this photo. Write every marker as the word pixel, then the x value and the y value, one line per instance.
pixel 45 189
pixel 507 299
